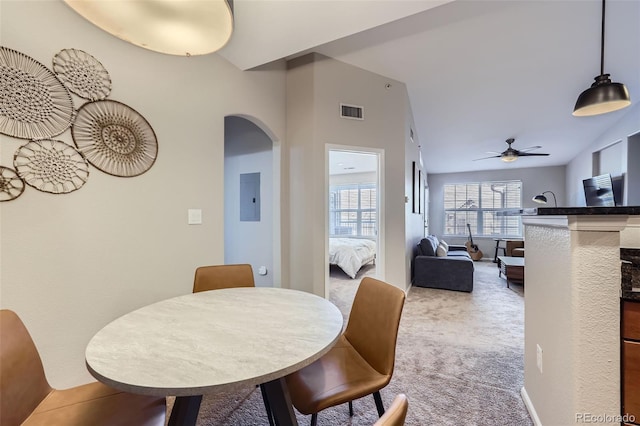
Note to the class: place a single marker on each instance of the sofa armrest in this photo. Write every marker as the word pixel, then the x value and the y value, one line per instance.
pixel 451 273
pixel 455 247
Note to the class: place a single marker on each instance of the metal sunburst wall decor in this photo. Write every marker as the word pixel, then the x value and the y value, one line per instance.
pixel 51 166
pixel 34 104
pixel 115 138
pixel 82 74
pixel 11 185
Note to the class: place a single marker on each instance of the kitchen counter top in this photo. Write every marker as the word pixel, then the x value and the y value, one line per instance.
pixel 571 211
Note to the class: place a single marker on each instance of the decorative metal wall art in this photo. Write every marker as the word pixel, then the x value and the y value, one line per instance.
pixel 11 185
pixel 82 74
pixel 51 166
pixel 115 138
pixel 34 104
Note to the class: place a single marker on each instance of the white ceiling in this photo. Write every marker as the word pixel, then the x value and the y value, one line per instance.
pixel 477 71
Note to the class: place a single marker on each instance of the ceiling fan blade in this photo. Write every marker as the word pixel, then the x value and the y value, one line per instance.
pixel 494 152
pixel 531 154
pixel 484 158
pixel 531 148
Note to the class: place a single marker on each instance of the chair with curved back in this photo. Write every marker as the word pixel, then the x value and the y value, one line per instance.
pixel 396 414
pixel 27 399
pixel 217 277
pixel 223 276
pixel 361 362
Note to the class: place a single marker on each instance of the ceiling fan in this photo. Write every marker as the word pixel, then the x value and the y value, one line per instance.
pixel 512 154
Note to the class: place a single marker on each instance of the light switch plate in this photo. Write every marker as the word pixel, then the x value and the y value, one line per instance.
pixel 194 216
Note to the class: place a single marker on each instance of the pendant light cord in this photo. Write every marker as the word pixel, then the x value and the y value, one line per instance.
pixel 602 43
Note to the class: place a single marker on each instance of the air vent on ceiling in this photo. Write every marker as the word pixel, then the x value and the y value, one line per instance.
pixel 353 112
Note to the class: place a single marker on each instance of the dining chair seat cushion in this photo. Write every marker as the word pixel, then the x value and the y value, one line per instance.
pixel 27 399
pixel 326 382
pixel 98 405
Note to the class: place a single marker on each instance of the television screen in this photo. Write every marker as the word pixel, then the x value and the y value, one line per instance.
pixel 598 191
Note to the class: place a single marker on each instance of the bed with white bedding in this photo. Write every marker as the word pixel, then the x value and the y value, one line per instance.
pixel 350 254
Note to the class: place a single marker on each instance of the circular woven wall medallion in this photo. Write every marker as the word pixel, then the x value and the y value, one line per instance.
pixel 115 138
pixel 11 185
pixel 82 74
pixel 51 166
pixel 34 104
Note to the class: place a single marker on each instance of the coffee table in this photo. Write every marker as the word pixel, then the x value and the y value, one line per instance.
pixel 512 268
pixel 215 341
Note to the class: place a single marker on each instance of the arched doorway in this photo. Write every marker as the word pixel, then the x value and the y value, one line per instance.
pixel 252 198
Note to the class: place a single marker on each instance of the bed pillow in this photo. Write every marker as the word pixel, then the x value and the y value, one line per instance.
pixel 443 249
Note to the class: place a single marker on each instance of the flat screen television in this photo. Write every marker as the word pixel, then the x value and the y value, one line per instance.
pixel 599 192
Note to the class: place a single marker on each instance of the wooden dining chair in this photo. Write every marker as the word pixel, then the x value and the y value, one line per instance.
pixel 361 362
pixel 223 276
pixel 27 399
pixel 396 414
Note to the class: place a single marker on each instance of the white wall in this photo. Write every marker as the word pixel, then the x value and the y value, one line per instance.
pixel 248 150
pixel 581 167
pixel 72 263
pixel 535 180
pixel 313 122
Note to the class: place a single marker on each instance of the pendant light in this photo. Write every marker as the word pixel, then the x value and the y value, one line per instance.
pixel 174 27
pixel 603 96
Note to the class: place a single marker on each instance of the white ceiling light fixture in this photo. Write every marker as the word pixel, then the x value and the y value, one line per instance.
pixel 174 27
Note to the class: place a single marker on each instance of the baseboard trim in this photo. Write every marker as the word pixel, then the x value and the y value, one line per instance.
pixel 530 407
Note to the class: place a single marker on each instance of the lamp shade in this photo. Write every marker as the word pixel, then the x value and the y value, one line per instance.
pixel 540 199
pixel 174 27
pixel 603 96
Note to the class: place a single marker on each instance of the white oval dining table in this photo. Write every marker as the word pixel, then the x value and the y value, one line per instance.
pixel 215 341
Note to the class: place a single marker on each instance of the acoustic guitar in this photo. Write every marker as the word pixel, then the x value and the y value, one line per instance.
pixel 472 249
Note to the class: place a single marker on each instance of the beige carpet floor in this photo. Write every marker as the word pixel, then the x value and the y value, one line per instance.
pixel 459 360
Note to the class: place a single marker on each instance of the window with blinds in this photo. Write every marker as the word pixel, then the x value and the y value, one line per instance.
pixel 352 210
pixel 483 205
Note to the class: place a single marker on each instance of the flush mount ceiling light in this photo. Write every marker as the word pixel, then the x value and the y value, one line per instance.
pixel 175 27
pixel 603 96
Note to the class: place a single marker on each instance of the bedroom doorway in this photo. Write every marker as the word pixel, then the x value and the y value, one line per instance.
pixel 354 246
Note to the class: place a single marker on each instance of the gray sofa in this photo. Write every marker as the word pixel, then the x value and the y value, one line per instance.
pixel 452 270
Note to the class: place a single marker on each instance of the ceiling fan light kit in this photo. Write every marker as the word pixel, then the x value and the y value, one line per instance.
pixel 603 96
pixel 511 154
pixel 508 157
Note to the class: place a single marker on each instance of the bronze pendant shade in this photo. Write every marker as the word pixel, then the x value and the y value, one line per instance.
pixel 603 96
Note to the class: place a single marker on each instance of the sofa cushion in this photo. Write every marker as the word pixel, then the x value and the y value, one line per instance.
pixel 459 254
pixel 429 245
pixel 442 249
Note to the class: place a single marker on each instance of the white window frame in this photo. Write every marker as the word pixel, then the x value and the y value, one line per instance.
pixel 359 210
pixel 505 215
